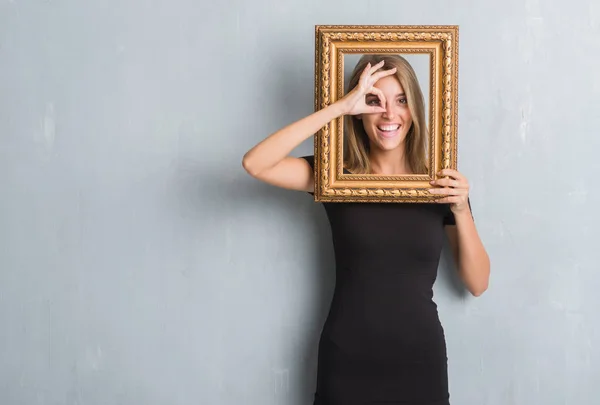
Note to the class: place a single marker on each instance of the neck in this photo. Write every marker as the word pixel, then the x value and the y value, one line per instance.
pixel 390 162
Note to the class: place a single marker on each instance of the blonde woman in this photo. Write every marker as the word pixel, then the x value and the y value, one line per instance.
pixel 382 341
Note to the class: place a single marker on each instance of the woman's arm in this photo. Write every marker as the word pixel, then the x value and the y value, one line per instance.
pixel 471 258
pixel 470 255
pixel 269 160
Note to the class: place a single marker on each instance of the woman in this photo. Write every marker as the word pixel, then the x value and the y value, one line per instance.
pixel 382 341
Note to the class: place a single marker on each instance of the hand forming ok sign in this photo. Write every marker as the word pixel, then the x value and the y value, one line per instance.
pixel 354 102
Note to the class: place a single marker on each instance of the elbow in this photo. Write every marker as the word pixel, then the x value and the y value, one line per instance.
pixel 248 166
pixel 478 291
pixel 478 288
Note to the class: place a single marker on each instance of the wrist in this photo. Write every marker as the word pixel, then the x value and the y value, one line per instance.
pixel 339 108
pixel 462 213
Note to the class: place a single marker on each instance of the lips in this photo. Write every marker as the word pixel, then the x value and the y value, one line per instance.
pixel 388 130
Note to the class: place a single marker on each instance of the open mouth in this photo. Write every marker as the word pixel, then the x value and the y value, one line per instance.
pixel 388 131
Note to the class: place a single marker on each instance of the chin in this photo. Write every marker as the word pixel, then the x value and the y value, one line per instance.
pixel 389 148
pixel 388 144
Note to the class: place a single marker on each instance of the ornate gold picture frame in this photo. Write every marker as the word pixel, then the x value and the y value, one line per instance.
pixel 439 45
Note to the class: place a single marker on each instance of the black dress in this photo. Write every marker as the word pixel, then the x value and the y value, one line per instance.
pixel 382 342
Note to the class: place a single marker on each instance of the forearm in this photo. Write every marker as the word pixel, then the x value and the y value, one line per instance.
pixel 280 144
pixel 473 260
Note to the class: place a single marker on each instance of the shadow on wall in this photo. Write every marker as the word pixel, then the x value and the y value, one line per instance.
pixel 448 274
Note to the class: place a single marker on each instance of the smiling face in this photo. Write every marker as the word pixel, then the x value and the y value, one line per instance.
pixel 406 137
pixel 387 131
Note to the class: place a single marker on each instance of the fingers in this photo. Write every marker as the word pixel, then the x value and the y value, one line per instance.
pixel 449 191
pixel 452 173
pixel 364 81
pixel 380 96
pixel 382 74
pixel 454 187
pixel 369 70
pixel 375 109
pixel 365 72
pixel 375 68
pixel 447 182
pixel 371 76
pixel 367 80
pixel 450 200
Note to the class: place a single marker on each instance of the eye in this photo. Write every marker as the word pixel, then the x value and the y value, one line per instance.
pixel 372 101
pixel 403 100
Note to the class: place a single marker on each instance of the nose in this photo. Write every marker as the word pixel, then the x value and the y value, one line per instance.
pixel 389 111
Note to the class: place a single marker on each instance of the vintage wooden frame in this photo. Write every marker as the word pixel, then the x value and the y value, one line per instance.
pixel 331 43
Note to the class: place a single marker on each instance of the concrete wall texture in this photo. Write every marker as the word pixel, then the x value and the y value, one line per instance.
pixel 140 264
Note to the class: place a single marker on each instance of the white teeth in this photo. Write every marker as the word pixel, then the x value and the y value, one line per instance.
pixel 389 127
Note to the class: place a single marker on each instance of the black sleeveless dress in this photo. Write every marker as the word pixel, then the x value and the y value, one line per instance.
pixel 382 342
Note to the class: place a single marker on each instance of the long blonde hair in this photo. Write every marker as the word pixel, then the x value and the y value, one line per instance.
pixel 356 147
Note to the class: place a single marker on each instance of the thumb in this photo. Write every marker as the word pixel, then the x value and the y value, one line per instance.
pixel 376 109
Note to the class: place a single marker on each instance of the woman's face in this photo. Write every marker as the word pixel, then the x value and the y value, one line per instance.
pixel 387 131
